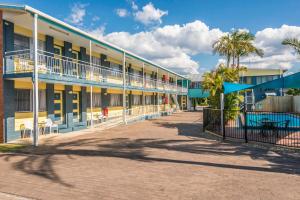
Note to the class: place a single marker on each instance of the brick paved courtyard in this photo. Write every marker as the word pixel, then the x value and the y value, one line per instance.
pixel 166 158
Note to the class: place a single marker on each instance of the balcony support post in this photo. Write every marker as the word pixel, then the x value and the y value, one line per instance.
pixel 124 88
pixel 91 87
pixel 157 98
pixel 35 82
pixel 143 97
pixel 168 106
pixel 176 95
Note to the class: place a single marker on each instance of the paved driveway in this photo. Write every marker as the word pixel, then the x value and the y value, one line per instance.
pixel 165 158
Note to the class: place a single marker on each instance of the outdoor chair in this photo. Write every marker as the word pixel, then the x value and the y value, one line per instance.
pixel 283 124
pixel 52 126
pixel 101 117
pixel 28 126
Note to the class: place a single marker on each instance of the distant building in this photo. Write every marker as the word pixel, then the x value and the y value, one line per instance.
pixel 195 92
pixel 255 76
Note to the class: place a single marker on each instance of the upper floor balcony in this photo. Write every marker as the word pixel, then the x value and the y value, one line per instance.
pixel 52 65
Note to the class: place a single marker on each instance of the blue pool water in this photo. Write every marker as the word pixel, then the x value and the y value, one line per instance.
pixel 276 117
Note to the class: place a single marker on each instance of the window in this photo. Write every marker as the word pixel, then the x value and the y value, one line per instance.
pixel 57 50
pixel 136 100
pixel 96 60
pixel 115 100
pixel 114 66
pixel 21 42
pixel 96 100
pixel 148 100
pixel 23 100
pixel 42 101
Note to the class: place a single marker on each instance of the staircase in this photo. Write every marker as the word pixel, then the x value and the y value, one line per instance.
pixel 173 96
pixel 250 100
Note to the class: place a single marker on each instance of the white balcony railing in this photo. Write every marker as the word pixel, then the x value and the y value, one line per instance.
pixel 21 61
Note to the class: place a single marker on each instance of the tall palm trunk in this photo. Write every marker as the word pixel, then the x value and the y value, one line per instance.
pixel 228 61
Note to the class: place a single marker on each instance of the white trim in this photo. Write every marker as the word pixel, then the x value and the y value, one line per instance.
pixel 35 83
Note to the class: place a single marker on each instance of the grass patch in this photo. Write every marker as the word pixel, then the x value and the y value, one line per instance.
pixel 4 148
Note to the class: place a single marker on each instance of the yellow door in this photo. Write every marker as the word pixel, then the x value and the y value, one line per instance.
pixel 58 107
pixel 76 113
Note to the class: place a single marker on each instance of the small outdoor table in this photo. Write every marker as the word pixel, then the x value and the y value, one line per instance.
pixel 268 125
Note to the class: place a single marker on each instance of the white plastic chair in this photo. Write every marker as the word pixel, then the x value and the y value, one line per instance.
pixel 101 117
pixel 28 126
pixel 49 123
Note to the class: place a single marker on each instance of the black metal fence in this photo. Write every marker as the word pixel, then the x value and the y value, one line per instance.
pixel 276 128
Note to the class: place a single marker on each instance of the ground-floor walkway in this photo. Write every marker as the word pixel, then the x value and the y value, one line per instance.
pixel 166 158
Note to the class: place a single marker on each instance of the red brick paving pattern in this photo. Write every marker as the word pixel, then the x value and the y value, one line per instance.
pixel 166 158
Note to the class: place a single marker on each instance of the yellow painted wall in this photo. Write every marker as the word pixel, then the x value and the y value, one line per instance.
pixel 114 91
pixel 76 88
pixel 28 33
pixel 58 42
pixel 111 59
pixel 28 85
pixel 137 92
pixel 95 89
pixel 59 87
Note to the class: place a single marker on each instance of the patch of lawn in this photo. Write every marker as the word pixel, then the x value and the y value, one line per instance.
pixel 4 148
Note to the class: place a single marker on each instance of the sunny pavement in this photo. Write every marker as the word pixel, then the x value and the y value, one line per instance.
pixel 166 158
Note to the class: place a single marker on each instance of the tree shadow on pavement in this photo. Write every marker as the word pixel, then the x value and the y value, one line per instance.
pixel 41 161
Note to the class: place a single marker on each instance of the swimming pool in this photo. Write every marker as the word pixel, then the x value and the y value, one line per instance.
pixel 294 120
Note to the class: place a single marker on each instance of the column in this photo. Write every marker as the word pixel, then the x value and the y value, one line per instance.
pixel 157 89
pixel 176 94
pixel 91 87
pixel 35 83
pixel 143 97
pixel 124 88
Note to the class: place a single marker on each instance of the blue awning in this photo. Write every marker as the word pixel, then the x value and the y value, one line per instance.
pixel 291 81
pixel 198 93
pixel 234 87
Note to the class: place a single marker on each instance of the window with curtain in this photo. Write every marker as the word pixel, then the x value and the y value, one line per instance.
pixel 21 42
pixel 96 100
pixel 136 100
pixel 96 60
pixel 42 101
pixel 160 99
pixel 148 100
pixel 24 101
pixel 115 66
pixel 115 100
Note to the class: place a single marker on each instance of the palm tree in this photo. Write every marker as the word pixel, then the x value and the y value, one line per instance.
pixel 244 45
pixel 213 82
pixel 236 45
pixel 293 42
pixel 224 47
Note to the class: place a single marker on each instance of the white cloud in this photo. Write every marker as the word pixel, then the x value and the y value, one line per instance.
pixel 121 12
pixel 276 54
pixel 149 14
pixel 78 12
pixel 95 18
pixel 171 46
pixel 134 6
pixel 97 32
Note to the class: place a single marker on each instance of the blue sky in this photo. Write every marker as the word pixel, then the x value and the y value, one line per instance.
pixel 178 34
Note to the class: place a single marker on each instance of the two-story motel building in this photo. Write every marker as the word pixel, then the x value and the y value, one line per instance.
pixel 52 70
